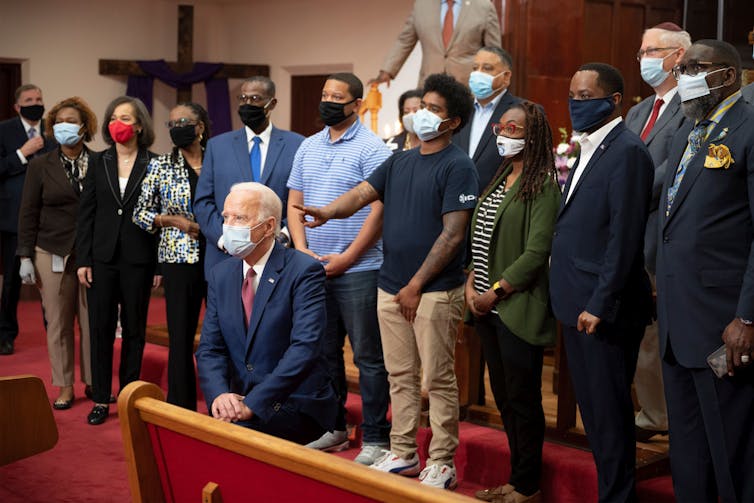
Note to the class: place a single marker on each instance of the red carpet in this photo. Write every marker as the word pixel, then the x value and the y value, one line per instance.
pixel 88 465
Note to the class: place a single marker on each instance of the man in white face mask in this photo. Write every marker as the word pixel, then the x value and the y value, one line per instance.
pixel 656 119
pixel 705 280
pixel 259 359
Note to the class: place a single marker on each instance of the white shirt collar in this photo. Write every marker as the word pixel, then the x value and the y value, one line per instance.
pixel 27 125
pixel 259 266
pixel 492 104
pixel 264 135
pixel 667 96
pixel 595 139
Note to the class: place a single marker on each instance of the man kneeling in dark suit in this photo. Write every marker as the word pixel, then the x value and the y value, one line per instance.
pixel 259 358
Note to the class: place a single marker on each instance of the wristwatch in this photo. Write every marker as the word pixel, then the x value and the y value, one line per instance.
pixel 498 289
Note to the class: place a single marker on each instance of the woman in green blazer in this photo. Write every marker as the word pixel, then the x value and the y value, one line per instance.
pixel 507 292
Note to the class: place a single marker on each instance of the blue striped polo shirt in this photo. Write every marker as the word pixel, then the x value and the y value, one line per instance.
pixel 324 170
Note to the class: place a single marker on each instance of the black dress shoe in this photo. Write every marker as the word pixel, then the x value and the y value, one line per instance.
pixel 644 435
pixel 6 348
pixel 89 394
pixel 98 414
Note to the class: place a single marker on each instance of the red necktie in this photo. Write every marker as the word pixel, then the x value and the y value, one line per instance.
pixel 652 119
pixel 447 26
pixel 247 295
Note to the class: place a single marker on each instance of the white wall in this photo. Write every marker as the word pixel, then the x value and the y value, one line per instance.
pixel 60 44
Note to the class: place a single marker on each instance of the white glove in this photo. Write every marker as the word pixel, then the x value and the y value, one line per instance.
pixel 27 272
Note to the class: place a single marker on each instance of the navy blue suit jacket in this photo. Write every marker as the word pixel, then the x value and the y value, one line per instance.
pixel 277 363
pixel 226 162
pixel 705 254
pixel 597 261
pixel 12 172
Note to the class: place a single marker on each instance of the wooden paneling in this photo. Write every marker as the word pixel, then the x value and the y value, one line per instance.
pixel 306 93
pixel 10 79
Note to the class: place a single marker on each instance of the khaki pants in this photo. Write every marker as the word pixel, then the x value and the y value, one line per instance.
pixel 428 346
pixel 62 300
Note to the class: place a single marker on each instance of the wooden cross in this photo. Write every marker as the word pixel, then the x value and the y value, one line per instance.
pixel 185 58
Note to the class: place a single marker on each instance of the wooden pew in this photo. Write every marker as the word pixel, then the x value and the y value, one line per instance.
pixel 174 454
pixel 27 426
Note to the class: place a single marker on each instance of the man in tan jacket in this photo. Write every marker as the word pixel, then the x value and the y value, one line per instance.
pixel 450 32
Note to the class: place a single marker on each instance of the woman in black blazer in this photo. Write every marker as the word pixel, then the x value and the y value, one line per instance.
pixel 116 259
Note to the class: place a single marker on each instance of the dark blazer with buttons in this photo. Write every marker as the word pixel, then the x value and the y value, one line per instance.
pixel 277 362
pixel 12 172
pixel 597 259
pixel 226 162
pixel 105 230
pixel 658 142
pixel 486 156
pixel 705 253
pixel 49 208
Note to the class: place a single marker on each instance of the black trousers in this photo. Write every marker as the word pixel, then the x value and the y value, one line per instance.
pixel 289 424
pixel 602 369
pixel 515 368
pixel 11 287
pixel 129 286
pixel 185 289
pixel 711 441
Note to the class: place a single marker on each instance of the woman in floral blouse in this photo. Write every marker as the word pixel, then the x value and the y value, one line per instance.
pixel 166 205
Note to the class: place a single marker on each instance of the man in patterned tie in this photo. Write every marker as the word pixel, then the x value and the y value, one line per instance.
pixel 656 119
pixel 259 360
pixel 20 139
pixel 705 279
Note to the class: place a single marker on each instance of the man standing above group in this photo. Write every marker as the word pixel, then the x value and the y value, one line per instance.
pixel 259 152
pixel 20 139
pixel 705 280
pixel 429 193
pixel 656 119
pixel 464 27
pixel 327 165
pixel 489 83
pixel 599 289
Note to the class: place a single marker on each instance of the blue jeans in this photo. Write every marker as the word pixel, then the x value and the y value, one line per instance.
pixel 352 310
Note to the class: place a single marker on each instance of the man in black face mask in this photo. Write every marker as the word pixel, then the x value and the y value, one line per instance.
pixel 705 280
pixel 258 152
pixel 20 139
pixel 599 289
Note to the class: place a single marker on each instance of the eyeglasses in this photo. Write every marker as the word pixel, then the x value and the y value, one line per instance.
pixel 693 68
pixel 508 128
pixel 652 51
pixel 180 123
pixel 252 99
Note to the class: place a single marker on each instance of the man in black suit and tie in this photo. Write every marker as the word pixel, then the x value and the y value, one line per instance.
pixel 705 280
pixel 20 139
pixel 656 119
pixel 489 83
pixel 599 289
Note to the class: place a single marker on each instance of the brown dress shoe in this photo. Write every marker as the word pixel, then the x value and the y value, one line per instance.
pixel 493 493
pixel 517 497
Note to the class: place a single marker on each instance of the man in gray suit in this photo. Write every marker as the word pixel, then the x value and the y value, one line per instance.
pixel 656 119
pixel 450 32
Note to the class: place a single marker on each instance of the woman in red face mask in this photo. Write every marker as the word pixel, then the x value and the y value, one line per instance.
pixel 116 259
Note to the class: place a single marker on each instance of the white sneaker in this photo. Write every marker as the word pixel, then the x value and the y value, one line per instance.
pixel 442 476
pixel 391 463
pixel 371 453
pixel 331 441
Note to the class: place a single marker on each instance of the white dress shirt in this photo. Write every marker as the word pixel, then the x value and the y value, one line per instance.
pixel 665 101
pixel 263 145
pixel 479 120
pixel 258 267
pixel 37 132
pixel 589 144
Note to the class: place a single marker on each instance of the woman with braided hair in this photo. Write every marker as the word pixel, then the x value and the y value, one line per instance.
pixel 507 288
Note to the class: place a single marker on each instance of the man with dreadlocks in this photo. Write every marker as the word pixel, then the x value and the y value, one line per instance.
pixel 507 290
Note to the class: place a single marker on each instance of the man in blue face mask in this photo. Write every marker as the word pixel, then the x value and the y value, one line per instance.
pixel 599 288
pixel 259 359
pixel 656 119
pixel 705 280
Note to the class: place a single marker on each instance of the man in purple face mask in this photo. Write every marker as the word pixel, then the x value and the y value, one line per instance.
pixel 20 139
pixel 599 288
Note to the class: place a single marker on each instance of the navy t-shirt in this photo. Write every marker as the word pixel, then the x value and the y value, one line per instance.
pixel 417 190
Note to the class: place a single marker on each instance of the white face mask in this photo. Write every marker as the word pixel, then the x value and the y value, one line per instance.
pixel 508 147
pixel 690 87
pixel 237 239
pixel 427 125
pixel 408 122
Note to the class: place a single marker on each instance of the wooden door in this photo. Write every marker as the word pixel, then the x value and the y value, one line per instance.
pixel 10 80
pixel 306 93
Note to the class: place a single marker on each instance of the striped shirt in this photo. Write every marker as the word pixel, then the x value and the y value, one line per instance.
pixel 324 170
pixel 480 241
